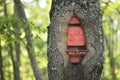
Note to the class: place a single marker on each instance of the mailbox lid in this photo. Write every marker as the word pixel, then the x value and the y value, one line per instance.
pixel 75 36
pixel 74 20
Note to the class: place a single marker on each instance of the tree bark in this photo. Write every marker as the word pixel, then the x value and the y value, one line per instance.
pixel 17 61
pixel 14 62
pixel 89 14
pixel 16 58
pixel 1 63
pixel 28 35
pixel 10 52
pixel 1 58
pixel 111 56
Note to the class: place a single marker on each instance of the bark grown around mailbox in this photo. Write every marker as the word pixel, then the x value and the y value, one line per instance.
pixel 89 14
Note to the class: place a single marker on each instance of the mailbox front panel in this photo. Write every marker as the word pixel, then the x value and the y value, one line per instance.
pixel 75 36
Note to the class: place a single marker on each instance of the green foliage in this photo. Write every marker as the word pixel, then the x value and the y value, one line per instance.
pixel 38 21
pixel 111 25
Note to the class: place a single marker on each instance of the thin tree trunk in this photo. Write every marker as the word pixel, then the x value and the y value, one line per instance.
pixel 10 52
pixel 112 65
pixel 15 60
pixel 1 58
pixel 111 58
pixel 15 67
pixel 89 14
pixel 17 50
pixel 1 63
pixel 29 46
pixel 5 8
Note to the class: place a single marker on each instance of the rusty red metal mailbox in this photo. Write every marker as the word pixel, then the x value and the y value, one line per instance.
pixel 75 41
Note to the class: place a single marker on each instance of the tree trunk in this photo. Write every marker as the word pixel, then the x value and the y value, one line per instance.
pixel 17 61
pixel 10 52
pixel 111 56
pixel 17 50
pixel 14 62
pixel 1 63
pixel 1 58
pixel 89 14
pixel 28 35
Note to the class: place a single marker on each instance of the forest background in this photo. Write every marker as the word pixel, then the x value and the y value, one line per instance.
pixel 37 12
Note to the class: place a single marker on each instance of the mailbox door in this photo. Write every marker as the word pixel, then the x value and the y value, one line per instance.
pixel 75 36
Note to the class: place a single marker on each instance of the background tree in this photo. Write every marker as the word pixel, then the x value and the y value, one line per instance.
pixel 111 11
pixel 15 37
pixel 28 35
pixel 1 63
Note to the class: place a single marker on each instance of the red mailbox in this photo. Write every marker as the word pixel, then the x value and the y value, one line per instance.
pixel 75 41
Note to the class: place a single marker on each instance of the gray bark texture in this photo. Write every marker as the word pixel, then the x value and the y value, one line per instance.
pixel 89 14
